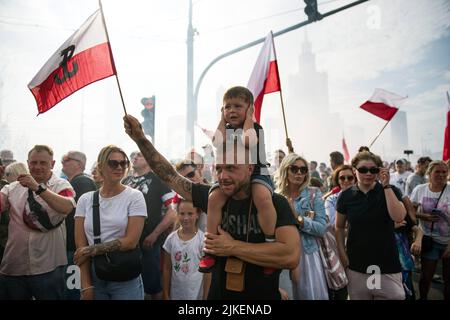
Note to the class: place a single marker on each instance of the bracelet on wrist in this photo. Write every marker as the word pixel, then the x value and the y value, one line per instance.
pixel 87 288
pixel 388 186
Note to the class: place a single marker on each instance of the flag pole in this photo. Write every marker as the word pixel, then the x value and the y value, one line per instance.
pixel 110 50
pixel 379 133
pixel 288 141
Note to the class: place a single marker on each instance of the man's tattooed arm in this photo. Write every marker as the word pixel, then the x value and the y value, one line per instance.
pixel 164 170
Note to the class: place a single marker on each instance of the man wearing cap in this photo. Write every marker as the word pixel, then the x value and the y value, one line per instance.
pixel 35 255
pixel 418 177
pixel 73 166
pixel 398 178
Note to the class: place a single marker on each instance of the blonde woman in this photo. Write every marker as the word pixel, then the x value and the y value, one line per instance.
pixel 122 216
pixel 291 180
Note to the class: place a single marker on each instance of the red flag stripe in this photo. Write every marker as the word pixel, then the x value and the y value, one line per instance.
pixel 379 109
pixel 446 151
pixel 94 64
pixel 345 149
pixel 271 84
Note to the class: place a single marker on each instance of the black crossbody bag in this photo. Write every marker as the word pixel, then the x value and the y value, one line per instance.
pixel 117 265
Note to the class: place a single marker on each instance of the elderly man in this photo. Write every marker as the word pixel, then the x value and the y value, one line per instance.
pixel 35 254
pixel 73 166
pixel 240 235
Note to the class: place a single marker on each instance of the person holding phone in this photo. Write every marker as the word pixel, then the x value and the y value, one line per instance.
pixel 432 200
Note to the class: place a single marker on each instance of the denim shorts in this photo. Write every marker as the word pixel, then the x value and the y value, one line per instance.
pixel 112 290
pixel 436 252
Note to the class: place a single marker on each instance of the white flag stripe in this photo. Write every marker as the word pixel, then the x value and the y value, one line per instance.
pixel 90 34
pixel 259 73
pixel 386 97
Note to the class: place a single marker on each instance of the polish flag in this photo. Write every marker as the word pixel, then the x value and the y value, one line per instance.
pixel 383 104
pixel 84 58
pixel 345 149
pixel 446 152
pixel 265 77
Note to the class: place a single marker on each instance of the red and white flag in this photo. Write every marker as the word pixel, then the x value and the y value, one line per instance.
pixel 265 77
pixel 446 151
pixel 383 104
pixel 345 149
pixel 84 58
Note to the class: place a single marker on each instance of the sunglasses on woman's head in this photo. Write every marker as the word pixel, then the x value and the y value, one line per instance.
pixel 295 169
pixel 372 170
pixel 348 178
pixel 114 164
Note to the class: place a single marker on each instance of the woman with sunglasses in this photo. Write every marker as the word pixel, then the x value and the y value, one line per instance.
pixel 370 208
pixel 122 215
pixel 344 178
pixel 292 179
pixel 432 201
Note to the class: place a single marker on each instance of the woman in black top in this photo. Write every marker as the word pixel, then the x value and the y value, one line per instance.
pixel 370 209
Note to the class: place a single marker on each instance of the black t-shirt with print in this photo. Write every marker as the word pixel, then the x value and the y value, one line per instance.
pixel 234 220
pixel 261 164
pixel 153 190
pixel 371 239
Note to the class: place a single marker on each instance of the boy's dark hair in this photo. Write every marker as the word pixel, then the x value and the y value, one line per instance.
pixel 423 160
pixel 363 148
pixel 239 92
pixel 314 182
pixel 337 158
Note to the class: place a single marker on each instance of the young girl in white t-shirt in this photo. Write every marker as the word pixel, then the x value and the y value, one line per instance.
pixel 182 252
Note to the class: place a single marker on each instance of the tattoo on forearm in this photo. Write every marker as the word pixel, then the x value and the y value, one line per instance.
pixel 102 248
pixel 162 168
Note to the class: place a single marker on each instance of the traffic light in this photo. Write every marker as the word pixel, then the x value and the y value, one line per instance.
pixel 149 116
pixel 311 10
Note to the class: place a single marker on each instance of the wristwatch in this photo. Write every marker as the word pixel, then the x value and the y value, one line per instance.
pixel 40 189
pixel 388 186
pixel 301 220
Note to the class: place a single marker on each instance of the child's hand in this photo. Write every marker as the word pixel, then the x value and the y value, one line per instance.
pixel 250 111
pixel 222 115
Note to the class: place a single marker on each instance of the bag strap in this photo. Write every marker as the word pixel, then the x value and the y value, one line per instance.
pixel 40 212
pixel 249 214
pixel 437 203
pixel 96 217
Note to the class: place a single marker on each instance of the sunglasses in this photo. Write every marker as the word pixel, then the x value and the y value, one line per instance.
pixel 348 178
pixel 372 170
pixel 114 164
pixel 190 175
pixel 68 159
pixel 295 169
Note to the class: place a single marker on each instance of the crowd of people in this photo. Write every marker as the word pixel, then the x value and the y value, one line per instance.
pixel 221 226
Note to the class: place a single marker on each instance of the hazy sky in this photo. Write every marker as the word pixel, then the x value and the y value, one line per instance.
pixel 399 45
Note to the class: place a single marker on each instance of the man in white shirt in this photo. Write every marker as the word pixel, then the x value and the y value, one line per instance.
pixel 398 178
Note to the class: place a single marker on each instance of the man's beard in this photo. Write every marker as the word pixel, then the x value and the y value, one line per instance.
pixel 243 186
